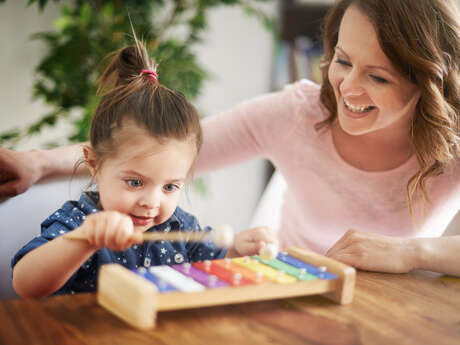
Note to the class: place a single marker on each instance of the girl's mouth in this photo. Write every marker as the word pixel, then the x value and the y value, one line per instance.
pixel 142 221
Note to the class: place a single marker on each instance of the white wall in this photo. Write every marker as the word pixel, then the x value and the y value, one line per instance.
pixel 237 51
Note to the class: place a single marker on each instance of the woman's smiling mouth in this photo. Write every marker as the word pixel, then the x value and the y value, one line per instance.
pixel 357 108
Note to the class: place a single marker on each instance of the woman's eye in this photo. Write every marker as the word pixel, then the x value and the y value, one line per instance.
pixel 379 79
pixel 342 62
pixel 171 187
pixel 134 183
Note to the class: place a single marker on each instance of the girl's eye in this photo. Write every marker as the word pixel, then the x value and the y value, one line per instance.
pixel 379 79
pixel 134 183
pixel 342 62
pixel 171 187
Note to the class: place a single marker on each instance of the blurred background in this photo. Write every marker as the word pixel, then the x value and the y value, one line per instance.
pixel 218 53
pixel 236 51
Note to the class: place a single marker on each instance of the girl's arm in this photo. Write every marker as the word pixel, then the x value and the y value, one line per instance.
pixel 20 170
pixel 47 268
pixel 373 252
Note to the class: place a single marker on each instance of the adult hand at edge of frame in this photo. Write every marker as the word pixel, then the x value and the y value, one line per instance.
pixel 18 171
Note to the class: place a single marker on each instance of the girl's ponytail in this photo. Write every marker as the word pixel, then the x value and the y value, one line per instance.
pixel 128 64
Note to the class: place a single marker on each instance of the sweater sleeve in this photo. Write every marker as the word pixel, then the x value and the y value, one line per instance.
pixel 244 132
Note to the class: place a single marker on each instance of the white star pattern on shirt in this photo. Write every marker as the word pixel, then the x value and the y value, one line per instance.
pixel 147 262
pixel 163 250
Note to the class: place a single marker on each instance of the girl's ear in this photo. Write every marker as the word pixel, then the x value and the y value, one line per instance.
pixel 90 158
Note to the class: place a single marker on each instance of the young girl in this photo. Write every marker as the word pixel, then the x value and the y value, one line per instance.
pixel 144 142
pixel 374 148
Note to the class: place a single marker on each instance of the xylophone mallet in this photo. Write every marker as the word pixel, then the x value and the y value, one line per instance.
pixel 269 251
pixel 222 236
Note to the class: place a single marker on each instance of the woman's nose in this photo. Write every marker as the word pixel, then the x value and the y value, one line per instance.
pixel 351 84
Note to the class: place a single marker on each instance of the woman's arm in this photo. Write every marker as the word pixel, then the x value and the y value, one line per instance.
pixel 245 131
pixel 440 254
pixel 47 268
pixel 373 252
pixel 20 170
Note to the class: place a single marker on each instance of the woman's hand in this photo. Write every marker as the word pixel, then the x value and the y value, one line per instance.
pixel 110 229
pixel 251 241
pixel 18 171
pixel 372 252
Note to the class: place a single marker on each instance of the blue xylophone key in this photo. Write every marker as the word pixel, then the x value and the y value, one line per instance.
pixel 309 268
pixel 160 284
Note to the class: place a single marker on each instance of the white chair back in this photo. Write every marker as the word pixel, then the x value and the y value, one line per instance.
pixel 22 215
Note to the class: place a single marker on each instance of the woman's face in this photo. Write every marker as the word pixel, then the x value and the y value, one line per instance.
pixel 371 95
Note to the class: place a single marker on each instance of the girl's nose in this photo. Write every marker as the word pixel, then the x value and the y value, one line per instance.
pixel 150 199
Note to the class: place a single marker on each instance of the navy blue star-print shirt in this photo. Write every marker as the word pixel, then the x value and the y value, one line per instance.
pixel 72 214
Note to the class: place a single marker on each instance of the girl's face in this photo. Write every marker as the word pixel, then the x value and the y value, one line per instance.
pixel 371 95
pixel 144 178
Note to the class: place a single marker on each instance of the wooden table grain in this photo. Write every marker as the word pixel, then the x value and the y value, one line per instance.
pixel 415 308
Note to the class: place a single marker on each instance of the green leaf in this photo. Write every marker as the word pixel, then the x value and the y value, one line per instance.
pixel 86 31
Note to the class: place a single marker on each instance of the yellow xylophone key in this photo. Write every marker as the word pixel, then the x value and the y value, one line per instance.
pixel 267 271
pixel 255 277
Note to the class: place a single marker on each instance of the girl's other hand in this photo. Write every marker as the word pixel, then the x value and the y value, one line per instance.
pixel 373 252
pixel 110 229
pixel 251 241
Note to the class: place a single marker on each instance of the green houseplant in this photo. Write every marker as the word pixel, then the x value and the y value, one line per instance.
pixel 87 30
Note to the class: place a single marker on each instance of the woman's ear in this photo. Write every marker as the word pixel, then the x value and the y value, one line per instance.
pixel 90 159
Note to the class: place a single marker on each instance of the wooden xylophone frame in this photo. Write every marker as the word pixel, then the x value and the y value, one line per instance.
pixel 136 300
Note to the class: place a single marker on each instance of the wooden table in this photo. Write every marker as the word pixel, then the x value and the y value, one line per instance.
pixel 416 308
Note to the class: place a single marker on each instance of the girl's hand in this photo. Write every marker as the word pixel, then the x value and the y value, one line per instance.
pixel 251 241
pixel 372 252
pixel 110 229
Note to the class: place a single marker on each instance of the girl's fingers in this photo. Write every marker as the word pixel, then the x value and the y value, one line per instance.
pixel 91 229
pixel 137 238
pixel 100 227
pixel 123 238
pixel 263 234
pixel 250 248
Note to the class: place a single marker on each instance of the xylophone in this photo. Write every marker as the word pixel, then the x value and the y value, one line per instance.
pixel 137 295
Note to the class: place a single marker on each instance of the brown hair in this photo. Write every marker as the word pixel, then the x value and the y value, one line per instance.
pixel 421 38
pixel 130 94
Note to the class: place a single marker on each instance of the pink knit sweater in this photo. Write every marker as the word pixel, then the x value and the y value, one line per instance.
pixel 325 196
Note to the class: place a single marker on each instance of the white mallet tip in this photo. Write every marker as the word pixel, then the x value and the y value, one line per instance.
pixel 223 236
pixel 269 251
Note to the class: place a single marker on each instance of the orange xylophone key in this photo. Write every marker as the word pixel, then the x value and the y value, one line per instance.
pixel 231 277
pixel 255 277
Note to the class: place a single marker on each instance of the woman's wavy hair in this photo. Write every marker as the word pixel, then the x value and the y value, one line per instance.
pixel 421 38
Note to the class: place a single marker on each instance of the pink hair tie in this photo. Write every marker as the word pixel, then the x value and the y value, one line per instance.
pixel 152 74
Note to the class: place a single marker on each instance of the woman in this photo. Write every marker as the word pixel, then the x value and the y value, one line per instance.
pixel 374 148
